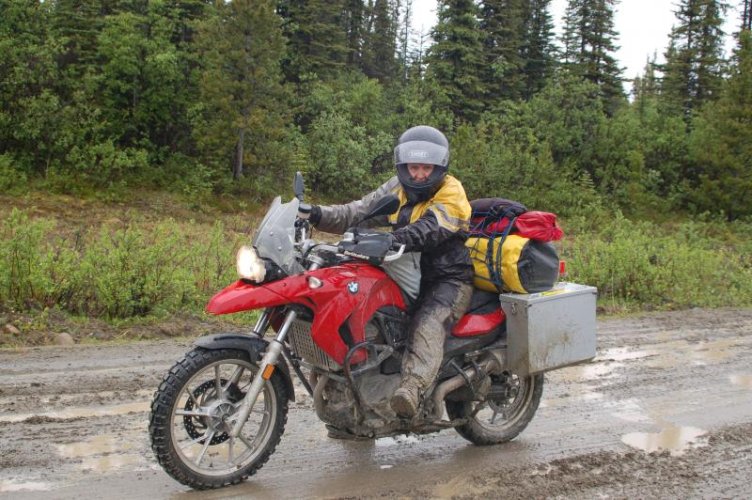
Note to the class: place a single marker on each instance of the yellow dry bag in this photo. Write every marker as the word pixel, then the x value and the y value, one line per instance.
pixel 513 264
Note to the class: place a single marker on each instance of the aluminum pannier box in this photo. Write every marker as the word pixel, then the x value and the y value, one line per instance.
pixel 551 329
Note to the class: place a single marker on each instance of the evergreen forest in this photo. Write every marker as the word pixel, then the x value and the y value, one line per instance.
pixel 207 99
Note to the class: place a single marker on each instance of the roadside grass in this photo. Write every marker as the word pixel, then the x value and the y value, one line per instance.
pixel 641 265
pixel 146 268
pixel 138 269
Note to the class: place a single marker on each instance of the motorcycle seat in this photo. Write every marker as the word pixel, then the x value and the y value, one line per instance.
pixel 484 316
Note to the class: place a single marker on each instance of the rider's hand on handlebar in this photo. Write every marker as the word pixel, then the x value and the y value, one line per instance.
pixel 309 212
pixel 384 240
pixel 304 211
pixel 371 246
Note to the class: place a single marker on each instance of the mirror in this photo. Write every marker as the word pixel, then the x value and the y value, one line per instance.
pixel 298 186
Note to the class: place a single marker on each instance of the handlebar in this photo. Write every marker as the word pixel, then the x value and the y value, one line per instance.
pixel 389 257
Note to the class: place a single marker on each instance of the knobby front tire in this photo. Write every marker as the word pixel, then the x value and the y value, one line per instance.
pixel 193 411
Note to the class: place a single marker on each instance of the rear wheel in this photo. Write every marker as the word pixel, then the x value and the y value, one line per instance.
pixel 510 406
pixel 195 408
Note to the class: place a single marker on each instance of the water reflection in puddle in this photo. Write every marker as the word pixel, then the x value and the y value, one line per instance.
pixel 101 453
pixel 667 355
pixel 742 380
pixel 11 486
pixel 78 412
pixel 98 445
pixel 110 462
pixel 675 440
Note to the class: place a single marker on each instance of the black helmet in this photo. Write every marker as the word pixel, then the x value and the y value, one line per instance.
pixel 426 145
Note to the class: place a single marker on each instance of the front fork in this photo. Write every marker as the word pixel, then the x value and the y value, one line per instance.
pixel 267 364
pixel 266 369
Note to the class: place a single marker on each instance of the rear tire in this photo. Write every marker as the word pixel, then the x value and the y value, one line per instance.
pixel 191 416
pixel 510 406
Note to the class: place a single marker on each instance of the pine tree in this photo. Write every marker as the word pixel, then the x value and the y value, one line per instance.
pixel 29 108
pixel 645 87
pixel 538 51
pixel 721 142
pixel 503 25
pixel 380 41
pixel 240 49
pixel 455 61
pixel 353 19
pixel 589 45
pixel 746 15
pixel 145 84
pixel 318 38
pixel 574 23
pixel 693 71
pixel 518 49
pixel 405 36
pixel 78 23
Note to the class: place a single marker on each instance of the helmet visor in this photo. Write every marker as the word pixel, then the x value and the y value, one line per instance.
pixel 421 152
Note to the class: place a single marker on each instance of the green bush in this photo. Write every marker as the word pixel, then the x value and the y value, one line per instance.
pixel 11 179
pixel 342 155
pixel 137 269
pixel 493 161
pixel 641 264
pixel 123 272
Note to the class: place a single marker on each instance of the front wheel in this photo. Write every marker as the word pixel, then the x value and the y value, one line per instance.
pixel 195 408
pixel 509 407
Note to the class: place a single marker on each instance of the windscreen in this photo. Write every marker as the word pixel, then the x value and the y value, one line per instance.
pixel 275 237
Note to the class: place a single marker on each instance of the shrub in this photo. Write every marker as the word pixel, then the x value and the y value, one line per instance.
pixel 644 264
pixel 11 178
pixel 113 272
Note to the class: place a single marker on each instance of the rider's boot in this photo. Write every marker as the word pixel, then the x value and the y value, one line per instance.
pixel 405 399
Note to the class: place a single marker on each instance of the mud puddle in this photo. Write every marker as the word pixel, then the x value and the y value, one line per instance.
pixel 664 406
pixel 675 440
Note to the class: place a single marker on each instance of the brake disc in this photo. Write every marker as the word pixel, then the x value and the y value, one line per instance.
pixel 205 394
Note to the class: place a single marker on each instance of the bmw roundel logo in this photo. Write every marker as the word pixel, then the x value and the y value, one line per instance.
pixel 352 287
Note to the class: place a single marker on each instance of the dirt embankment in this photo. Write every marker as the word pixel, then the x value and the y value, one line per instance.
pixel 664 411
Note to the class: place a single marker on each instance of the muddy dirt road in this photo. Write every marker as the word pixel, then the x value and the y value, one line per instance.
pixel 665 411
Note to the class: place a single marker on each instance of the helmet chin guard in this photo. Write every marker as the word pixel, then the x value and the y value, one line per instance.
pixel 423 145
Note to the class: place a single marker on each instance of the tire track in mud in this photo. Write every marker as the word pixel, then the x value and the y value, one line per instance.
pixel 74 421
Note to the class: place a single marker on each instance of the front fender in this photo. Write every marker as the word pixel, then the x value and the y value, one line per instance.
pixel 254 346
pixel 244 296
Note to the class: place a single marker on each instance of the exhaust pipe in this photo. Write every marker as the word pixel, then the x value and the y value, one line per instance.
pixel 493 362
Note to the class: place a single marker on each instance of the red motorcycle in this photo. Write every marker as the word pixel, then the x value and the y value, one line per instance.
pixel 341 327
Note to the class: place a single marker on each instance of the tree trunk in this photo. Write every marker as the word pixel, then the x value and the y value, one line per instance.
pixel 237 168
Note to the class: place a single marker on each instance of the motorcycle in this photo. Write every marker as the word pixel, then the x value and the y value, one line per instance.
pixel 340 325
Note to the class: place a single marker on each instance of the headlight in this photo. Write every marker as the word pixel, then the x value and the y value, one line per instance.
pixel 249 264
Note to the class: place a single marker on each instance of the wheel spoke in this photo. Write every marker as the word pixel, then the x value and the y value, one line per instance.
pixel 191 413
pixel 197 440
pixel 235 378
pixel 262 411
pixel 206 447
pixel 196 404
pixel 247 443
pixel 493 417
pixel 230 444
pixel 218 381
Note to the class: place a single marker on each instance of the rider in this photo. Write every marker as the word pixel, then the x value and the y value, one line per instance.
pixel 432 219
